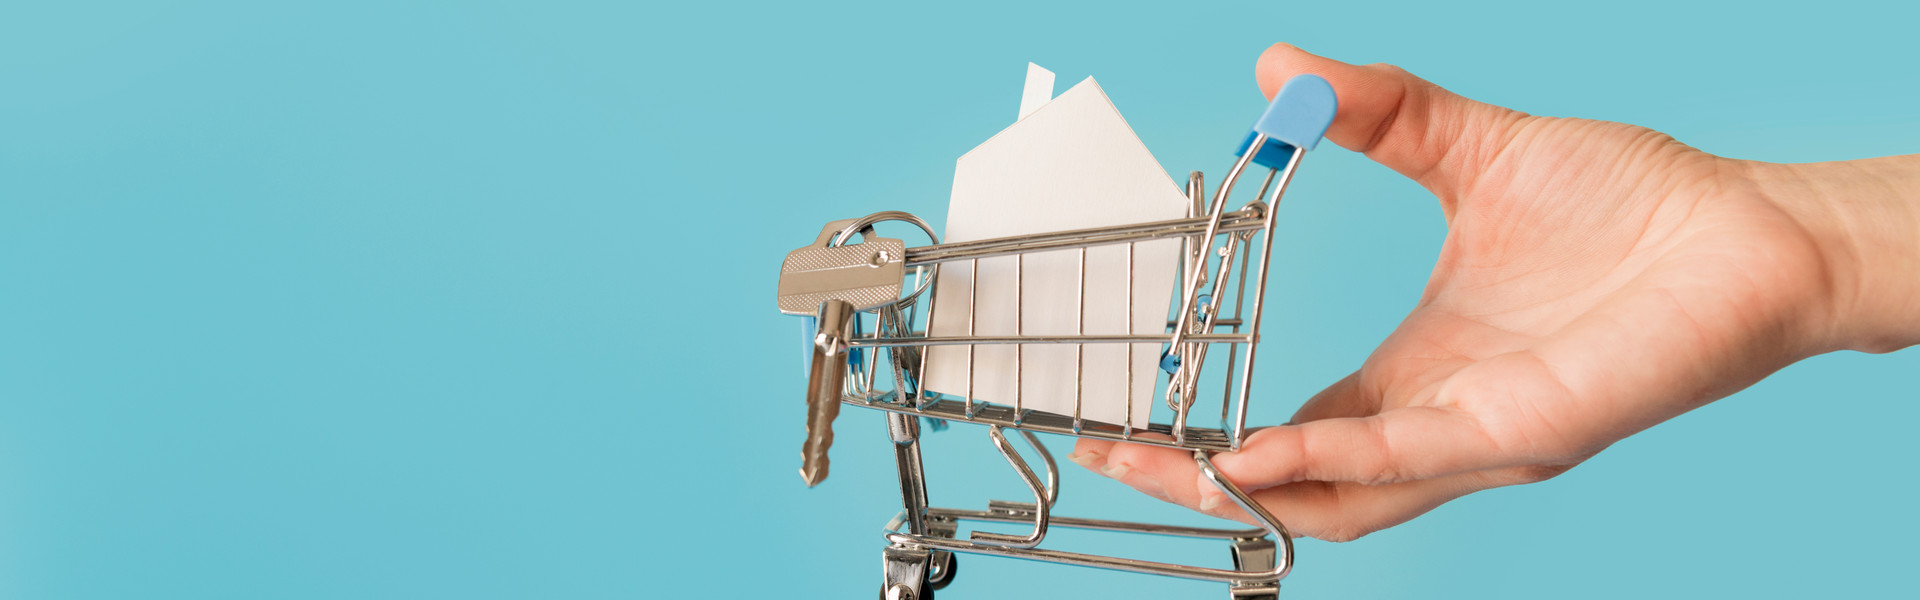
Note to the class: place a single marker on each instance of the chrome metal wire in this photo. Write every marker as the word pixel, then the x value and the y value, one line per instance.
pixel 1241 239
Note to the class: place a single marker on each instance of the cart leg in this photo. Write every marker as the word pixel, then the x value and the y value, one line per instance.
pixel 906 570
pixel 1253 554
pixel 913 573
pixel 941 571
pixel 905 431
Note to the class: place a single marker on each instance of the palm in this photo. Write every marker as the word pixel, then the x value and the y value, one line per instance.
pixel 1575 231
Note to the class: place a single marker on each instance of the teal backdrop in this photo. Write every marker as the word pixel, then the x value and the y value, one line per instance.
pixel 475 299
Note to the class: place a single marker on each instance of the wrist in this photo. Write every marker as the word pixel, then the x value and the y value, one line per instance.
pixel 1864 217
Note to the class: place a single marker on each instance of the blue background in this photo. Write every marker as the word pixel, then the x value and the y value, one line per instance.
pixel 475 299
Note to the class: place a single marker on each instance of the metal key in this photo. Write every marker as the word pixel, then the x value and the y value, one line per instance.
pixel 834 283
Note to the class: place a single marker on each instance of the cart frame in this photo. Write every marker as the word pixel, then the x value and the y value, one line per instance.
pixel 1218 246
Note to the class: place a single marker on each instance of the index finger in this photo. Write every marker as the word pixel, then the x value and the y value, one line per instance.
pixel 1397 445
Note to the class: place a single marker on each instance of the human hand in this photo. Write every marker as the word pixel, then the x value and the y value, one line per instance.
pixel 1596 279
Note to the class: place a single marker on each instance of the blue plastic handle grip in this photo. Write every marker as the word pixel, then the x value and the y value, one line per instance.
pixel 1273 154
pixel 1300 113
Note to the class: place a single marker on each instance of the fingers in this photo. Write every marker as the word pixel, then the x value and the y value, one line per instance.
pixel 1144 468
pixel 1397 445
pixel 1334 438
pixel 1158 471
pixel 1317 509
pixel 1429 134
pixel 1341 512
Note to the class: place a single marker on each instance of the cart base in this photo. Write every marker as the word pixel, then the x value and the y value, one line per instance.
pixel 915 566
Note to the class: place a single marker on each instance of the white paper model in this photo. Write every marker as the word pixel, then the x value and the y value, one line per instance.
pixel 1068 163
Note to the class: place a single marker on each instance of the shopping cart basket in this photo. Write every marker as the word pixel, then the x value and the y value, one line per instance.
pixel 869 348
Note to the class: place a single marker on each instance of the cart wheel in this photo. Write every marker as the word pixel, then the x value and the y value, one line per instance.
pixel 943 571
pixel 926 593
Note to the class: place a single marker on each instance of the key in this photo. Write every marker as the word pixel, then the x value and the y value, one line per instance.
pixel 832 284
pixel 825 377
pixel 866 275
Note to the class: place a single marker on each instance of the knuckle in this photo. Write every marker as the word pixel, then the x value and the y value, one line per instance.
pixel 1539 473
pixel 1386 474
pixel 1230 512
pixel 1385 466
pixel 1342 525
pixel 1341 532
pixel 1389 69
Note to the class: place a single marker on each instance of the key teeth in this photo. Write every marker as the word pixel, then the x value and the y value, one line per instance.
pixel 813 459
pixel 813 453
pixel 813 478
pixel 824 386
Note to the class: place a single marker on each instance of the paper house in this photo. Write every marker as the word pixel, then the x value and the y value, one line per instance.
pixel 1069 162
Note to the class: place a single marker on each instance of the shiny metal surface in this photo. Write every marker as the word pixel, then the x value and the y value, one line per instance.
pixel 906 572
pixel 866 275
pixel 1127 430
pixel 1043 494
pixel 1191 247
pixel 1236 221
pixel 1019 330
pixel 825 377
pixel 1283 559
pixel 1260 293
pixel 1097 524
pixel 891 335
pixel 864 224
pixel 982 413
pixel 905 432
pixel 1196 193
pixel 1256 572
pixel 1196 265
pixel 981 340
pixel 1080 350
pixel 1254 554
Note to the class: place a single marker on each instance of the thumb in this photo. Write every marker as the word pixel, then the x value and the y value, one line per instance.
pixel 1439 139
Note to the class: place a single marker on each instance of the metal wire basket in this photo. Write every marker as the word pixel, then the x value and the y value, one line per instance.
pixel 870 346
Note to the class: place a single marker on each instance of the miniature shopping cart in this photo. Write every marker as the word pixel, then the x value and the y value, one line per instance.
pixel 869 346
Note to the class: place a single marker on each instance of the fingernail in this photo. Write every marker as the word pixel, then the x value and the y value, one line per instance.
pixel 1084 459
pixel 1210 502
pixel 1115 471
pixel 1152 487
